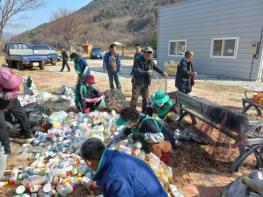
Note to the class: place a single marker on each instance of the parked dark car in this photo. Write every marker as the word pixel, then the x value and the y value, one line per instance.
pixel 43 49
pixel 59 59
pixel 96 53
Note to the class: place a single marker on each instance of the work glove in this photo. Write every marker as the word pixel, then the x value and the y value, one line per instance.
pixel 138 137
pixel 101 94
pixel 165 74
pixel 11 95
pixel 149 72
pixel 93 100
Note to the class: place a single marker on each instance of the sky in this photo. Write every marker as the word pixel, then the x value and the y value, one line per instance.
pixel 37 17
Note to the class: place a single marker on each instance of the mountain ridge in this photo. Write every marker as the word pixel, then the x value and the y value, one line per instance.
pixel 102 22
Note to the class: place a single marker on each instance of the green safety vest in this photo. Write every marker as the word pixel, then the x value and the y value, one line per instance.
pixel 161 112
pixel 137 130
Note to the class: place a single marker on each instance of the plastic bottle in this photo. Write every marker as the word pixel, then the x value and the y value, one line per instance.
pixel 47 188
pixel 13 177
pixel 68 187
pixel 35 188
pixel 37 180
pixel 253 184
pixel 20 189
pixel 3 158
pixel 252 194
pixel 61 190
pixel 3 184
pixel 60 173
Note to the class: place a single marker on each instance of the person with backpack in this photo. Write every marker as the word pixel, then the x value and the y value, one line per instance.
pixel 112 64
pixel 154 136
pixel 185 75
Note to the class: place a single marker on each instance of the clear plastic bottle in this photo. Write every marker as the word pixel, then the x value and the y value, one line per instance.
pixel 3 158
pixel 253 184
pixel 13 177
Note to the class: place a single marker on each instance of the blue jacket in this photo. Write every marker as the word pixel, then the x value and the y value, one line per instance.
pixel 107 61
pixel 120 175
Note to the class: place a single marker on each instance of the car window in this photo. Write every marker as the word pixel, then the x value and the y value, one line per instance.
pixel 40 47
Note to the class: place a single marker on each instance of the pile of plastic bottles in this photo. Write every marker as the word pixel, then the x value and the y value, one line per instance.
pixel 57 169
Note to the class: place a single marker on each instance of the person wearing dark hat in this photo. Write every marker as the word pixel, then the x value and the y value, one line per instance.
pixel 64 60
pixel 142 73
pixel 90 98
pixel 118 174
pixel 112 63
pixel 185 74
pixel 9 92
pixel 155 137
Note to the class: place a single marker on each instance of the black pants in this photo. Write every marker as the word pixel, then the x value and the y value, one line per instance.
pixel 92 106
pixel 19 113
pixel 65 63
pixel 113 75
pixel 4 136
pixel 138 90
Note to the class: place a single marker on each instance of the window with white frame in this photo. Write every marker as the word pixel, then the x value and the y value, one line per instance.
pixel 224 47
pixel 177 47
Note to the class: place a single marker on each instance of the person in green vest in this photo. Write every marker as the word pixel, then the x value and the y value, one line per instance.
pixel 164 108
pixel 90 98
pixel 83 71
pixel 154 136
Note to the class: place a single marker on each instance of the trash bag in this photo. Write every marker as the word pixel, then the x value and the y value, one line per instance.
pixel 115 100
pixel 29 86
pixel 66 90
pixel 52 106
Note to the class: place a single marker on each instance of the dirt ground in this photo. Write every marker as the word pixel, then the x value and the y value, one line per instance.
pixel 189 157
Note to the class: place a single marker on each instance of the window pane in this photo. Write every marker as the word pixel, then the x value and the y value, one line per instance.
pixel 172 48
pixel 217 47
pixel 229 48
pixel 180 48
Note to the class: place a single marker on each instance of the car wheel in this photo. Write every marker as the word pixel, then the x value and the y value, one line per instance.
pixel 41 66
pixel 53 62
pixel 19 66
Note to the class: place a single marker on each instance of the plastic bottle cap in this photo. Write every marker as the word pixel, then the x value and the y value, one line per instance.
pixel 47 188
pixel 20 189
pixel 245 179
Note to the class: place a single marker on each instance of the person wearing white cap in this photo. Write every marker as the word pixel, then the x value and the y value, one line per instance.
pixel 141 80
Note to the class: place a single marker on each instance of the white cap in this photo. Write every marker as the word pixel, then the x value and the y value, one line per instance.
pixel 20 189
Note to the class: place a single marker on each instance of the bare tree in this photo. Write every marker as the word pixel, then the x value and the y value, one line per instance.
pixel 11 8
pixel 60 13
pixel 67 25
